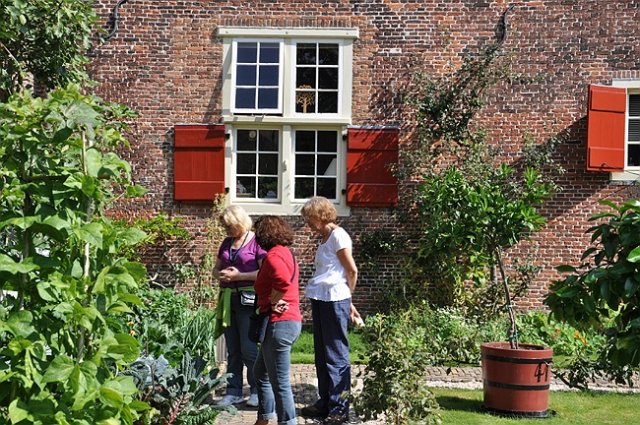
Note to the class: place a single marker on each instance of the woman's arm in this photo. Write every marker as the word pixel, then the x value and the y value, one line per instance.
pixel 346 259
pixel 232 273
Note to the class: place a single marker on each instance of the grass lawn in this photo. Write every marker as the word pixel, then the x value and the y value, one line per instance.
pixel 462 407
pixel 302 350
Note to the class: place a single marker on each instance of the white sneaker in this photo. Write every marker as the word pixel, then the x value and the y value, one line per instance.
pixel 230 399
pixel 253 400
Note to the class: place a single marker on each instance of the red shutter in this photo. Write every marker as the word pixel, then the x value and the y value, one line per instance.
pixel 606 119
pixel 198 162
pixel 370 152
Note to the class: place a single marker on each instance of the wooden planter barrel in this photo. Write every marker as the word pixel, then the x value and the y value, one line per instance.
pixel 516 382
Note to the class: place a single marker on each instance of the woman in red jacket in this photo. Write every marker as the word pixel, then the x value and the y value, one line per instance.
pixel 277 290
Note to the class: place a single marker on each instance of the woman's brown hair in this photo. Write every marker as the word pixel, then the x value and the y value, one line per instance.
pixel 272 230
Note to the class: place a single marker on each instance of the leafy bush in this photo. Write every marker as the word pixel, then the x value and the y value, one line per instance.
pixel 180 396
pixel 601 294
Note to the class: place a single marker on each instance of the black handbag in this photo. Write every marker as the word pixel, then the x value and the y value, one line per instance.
pixel 259 322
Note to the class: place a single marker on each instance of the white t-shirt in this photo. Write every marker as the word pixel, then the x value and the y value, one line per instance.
pixel 329 282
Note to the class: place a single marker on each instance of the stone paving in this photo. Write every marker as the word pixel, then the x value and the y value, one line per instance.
pixel 304 384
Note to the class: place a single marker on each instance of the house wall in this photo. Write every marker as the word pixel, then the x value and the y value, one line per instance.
pixel 166 63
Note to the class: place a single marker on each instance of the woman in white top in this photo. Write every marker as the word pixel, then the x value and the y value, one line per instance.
pixel 329 290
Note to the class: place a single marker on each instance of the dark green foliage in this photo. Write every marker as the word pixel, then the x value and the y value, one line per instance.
pixel 182 395
pixel 602 292
pixel 376 243
pixel 393 377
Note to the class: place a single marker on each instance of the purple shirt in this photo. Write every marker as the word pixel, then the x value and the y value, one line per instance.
pixel 244 259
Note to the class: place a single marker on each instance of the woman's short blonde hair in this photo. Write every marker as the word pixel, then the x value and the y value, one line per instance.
pixel 321 209
pixel 235 215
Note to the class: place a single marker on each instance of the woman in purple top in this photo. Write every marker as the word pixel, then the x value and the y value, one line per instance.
pixel 239 259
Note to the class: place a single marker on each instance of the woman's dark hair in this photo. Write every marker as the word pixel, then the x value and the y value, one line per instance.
pixel 272 230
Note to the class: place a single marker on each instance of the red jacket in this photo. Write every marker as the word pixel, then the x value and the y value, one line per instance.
pixel 276 272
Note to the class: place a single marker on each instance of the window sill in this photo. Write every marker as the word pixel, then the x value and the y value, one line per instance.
pixel 272 119
pixel 625 176
pixel 279 209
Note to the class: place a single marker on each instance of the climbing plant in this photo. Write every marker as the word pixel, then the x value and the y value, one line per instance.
pixel 61 262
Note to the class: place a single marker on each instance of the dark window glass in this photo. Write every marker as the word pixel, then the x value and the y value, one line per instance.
pixel 246 163
pixel 245 98
pixel 305 141
pixel 306 54
pixel 634 105
pixel 327 141
pixel 305 165
pixel 267 187
pixel 268 163
pixel 247 52
pixel 327 188
pixel 306 102
pixel 246 75
pixel 634 155
pixel 306 78
pixel 327 102
pixel 328 78
pixel 269 53
pixel 267 98
pixel 269 140
pixel 328 54
pixel 268 76
pixel 326 165
pixel 633 130
pixel 247 140
pixel 303 188
pixel 246 187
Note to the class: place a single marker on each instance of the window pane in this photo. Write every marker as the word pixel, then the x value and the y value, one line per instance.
pixel 327 141
pixel 634 130
pixel 305 165
pixel 305 141
pixel 269 140
pixel 634 155
pixel 246 187
pixel 306 102
pixel 246 75
pixel 306 54
pixel 306 78
pixel 634 105
pixel 326 165
pixel 269 53
pixel 268 163
pixel 328 78
pixel 247 52
pixel 246 98
pixel 268 75
pixel 303 188
pixel 246 140
pixel 327 102
pixel 328 54
pixel 327 188
pixel 267 187
pixel 246 163
pixel 267 98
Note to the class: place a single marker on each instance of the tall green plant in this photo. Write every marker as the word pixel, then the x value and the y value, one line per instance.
pixel 62 258
pixel 601 293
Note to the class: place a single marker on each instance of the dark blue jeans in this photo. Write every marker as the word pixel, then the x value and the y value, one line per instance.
pixel 331 345
pixel 240 351
pixel 272 372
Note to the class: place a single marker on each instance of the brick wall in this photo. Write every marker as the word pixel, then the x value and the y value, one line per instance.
pixel 165 62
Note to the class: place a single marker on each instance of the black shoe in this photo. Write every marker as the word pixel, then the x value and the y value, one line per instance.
pixel 313 411
pixel 336 419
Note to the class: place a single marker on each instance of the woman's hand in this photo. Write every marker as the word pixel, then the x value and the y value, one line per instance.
pixel 280 306
pixel 229 274
pixel 355 317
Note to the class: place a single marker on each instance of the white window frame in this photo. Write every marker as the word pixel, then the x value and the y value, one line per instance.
pixel 288 121
pixel 256 110
pixel 629 173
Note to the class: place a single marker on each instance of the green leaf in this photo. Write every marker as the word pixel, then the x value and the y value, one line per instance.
pixel 17 411
pixel 634 255
pixel 566 269
pixel 135 191
pixel 20 323
pixel 111 394
pixel 91 233
pixel 7 264
pixel 93 161
pixel 59 370
pixel 137 270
